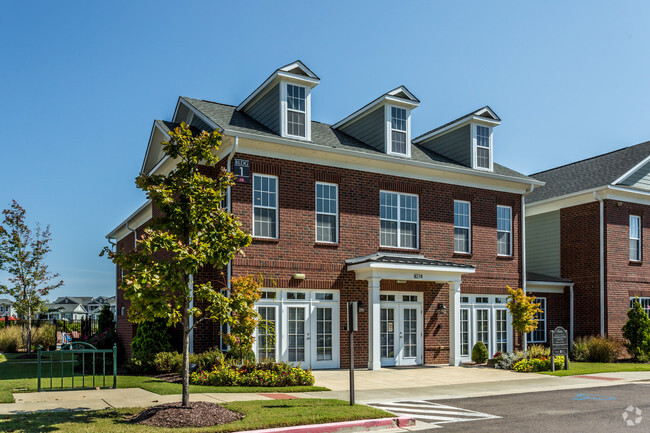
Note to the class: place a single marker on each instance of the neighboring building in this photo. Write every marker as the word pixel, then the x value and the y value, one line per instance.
pixel 7 308
pixel 425 232
pixel 585 233
pixel 95 306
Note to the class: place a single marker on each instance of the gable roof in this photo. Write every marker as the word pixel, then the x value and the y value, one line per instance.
pixel 399 94
pixel 483 113
pixel 4 301
pixel 590 173
pixel 83 300
pixel 226 117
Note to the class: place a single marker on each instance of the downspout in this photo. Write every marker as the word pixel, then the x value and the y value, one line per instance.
pixel 229 206
pixel 571 315
pixel 523 248
pixel 114 245
pixel 602 264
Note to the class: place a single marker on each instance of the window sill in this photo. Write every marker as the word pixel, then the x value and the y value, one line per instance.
pixel 265 240
pixel 326 244
pixel 463 255
pixel 499 257
pixel 399 250
pixel 635 263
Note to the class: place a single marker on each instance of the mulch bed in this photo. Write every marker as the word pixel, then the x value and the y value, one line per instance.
pixel 199 414
pixel 170 377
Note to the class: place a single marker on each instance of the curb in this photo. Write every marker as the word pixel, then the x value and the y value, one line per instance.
pixel 364 424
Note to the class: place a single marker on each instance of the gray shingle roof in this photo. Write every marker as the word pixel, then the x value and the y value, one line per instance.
pixel 226 117
pixel 534 276
pixel 404 259
pixel 589 173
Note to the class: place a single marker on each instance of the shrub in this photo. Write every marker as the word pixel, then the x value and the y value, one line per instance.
pixel 44 336
pixel 596 349
pixel 240 354
pixel 150 338
pixel 533 365
pixel 509 359
pixel 538 351
pixel 11 339
pixel 105 321
pixel 168 362
pixel 268 373
pixel 637 331
pixel 479 352
pixel 207 360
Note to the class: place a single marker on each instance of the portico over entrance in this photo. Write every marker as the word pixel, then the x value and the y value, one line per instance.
pixel 395 332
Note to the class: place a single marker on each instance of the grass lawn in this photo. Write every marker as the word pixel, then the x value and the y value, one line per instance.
pixel 258 414
pixel 21 375
pixel 578 368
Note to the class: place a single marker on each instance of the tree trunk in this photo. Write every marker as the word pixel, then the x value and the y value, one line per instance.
pixel 186 354
pixel 29 330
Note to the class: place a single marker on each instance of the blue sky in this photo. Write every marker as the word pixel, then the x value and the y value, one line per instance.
pixel 82 82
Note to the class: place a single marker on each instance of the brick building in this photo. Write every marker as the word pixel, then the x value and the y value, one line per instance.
pixel 424 233
pixel 585 234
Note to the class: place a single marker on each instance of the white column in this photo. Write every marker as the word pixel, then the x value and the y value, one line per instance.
pixel 454 323
pixel 374 345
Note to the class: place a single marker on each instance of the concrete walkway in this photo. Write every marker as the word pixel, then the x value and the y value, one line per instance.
pixel 371 387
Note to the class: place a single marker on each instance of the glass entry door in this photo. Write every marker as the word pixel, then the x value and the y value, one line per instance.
pixel 400 329
pixel 484 318
pixel 298 335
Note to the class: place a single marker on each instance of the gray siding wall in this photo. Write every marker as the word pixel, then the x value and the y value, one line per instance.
pixel 267 109
pixel 369 129
pixel 454 145
pixel 640 178
pixel 543 244
pixel 182 114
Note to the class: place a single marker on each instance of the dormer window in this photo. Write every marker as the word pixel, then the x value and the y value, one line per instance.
pixel 296 111
pixel 398 130
pixel 482 147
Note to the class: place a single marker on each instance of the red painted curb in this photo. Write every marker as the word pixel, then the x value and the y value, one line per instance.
pixel 401 421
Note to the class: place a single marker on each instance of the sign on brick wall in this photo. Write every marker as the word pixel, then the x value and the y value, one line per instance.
pixel 242 170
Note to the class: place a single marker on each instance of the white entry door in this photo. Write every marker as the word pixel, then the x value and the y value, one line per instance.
pixel 400 329
pixel 298 336
pixel 484 318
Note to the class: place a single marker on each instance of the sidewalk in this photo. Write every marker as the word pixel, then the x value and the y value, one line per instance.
pixel 428 383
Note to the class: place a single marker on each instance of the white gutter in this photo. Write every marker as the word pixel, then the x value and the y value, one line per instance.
pixel 523 247
pixel 602 264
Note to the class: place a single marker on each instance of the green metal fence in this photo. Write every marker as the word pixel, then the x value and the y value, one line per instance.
pixel 68 359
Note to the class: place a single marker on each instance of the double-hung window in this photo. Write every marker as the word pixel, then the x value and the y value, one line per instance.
pixel 539 334
pixel 482 147
pixel 296 112
pixel 265 206
pixel 504 230
pixel 398 130
pixel 326 212
pixel 635 238
pixel 462 227
pixel 398 215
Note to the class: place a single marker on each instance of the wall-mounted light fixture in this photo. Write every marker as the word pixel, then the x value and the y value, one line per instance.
pixel 441 309
pixel 401 281
pixel 298 276
pixel 362 308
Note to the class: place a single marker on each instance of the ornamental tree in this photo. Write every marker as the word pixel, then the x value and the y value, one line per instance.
pixel 193 232
pixel 523 310
pixel 22 255
pixel 637 331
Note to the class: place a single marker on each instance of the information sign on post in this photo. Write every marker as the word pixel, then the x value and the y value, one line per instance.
pixel 559 346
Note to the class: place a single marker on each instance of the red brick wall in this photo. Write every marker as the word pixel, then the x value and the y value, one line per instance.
pixel 324 265
pixel 579 255
pixel 623 277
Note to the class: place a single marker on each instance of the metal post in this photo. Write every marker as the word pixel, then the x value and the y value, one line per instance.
pixel 39 367
pixel 114 365
pixel 351 338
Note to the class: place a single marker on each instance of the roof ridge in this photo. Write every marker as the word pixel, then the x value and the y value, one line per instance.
pixel 590 158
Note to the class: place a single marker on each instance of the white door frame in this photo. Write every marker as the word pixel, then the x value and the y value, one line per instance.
pixel 468 302
pixel 395 301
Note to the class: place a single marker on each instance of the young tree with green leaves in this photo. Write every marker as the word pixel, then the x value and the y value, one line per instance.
pixel 193 232
pixel 523 310
pixel 22 255
pixel 637 331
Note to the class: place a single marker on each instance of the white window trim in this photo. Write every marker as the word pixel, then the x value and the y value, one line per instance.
pixel 336 235
pixel 640 238
pixel 389 129
pixel 530 334
pixel 475 146
pixel 469 251
pixel 417 221
pixel 284 110
pixel 509 254
pixel 275 307
pixel 277 210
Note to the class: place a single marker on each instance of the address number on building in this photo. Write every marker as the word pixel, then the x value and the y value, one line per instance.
pixel 418 276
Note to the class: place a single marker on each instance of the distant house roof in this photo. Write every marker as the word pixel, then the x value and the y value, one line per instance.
pixel 227 117
pixel 589 173
pixel 4 301
pixel 83 300
pixel 65 308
